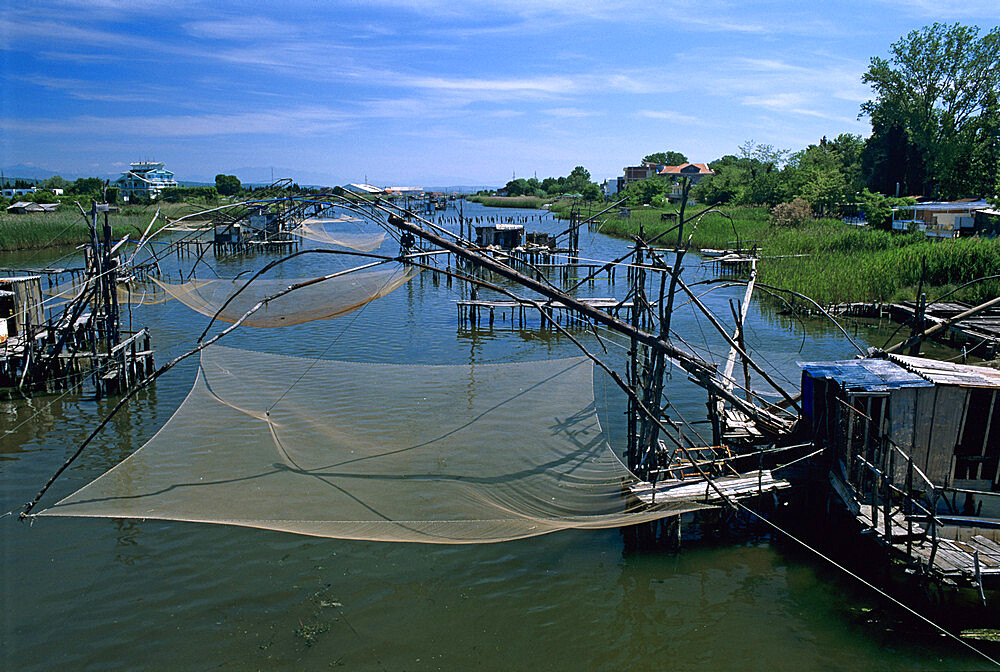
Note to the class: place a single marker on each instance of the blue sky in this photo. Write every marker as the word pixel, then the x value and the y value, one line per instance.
pixel 431 92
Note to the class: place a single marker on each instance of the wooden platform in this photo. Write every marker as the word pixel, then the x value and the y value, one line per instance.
pixel 981 331
pixel 698 490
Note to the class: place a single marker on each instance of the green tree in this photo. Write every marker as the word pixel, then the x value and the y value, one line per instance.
pixel 645 191
pixel 88 186
pixel 227 185
pixel 935 90
pixel 56 182
pixel 669 158
pixel 825 188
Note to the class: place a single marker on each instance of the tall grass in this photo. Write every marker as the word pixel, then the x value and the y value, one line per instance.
pixel 65 227
pixel 510 201
pixel 838 262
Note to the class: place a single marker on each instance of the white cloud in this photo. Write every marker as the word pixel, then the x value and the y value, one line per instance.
pixel 667 115
pixel 570 112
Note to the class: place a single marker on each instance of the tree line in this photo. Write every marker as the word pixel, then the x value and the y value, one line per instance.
pixel 935 116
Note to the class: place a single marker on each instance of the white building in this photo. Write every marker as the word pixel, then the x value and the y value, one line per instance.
pixel 145 179
pixel 11 192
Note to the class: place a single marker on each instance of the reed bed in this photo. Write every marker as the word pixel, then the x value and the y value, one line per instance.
pixel 66 227
pixel 510 201
pixel 834 262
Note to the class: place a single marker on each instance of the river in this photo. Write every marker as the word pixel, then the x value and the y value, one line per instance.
pixel 100 594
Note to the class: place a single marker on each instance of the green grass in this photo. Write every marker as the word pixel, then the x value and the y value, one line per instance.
pixel 510 201
pixel 844 263
pixel 67 227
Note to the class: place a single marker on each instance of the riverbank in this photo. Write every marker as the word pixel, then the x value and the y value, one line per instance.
pixel 829 260
pixel 68 227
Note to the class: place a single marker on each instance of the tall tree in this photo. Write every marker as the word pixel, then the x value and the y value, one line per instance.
pixel 936 88
pixel 228 185
pixel 666 158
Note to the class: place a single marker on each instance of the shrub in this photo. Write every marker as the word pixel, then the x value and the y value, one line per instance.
pixel 794 214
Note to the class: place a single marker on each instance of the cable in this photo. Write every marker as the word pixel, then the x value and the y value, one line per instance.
pixel 866 583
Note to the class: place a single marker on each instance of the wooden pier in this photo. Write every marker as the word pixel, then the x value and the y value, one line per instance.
pixel 472 311
pixel 979 334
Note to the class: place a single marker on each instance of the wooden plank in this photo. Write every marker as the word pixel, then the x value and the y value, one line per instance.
pixel 947 417
pixel 923 415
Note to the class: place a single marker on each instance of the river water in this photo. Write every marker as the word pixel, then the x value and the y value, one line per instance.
pixel 99 594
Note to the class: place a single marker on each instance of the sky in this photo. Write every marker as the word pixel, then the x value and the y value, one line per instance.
pixel 434 92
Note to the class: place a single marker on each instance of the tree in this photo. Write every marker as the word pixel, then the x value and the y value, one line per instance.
pixel 826 188
pixel 56 182
pixel 645 191
pixel 936 90
pixel 666 158
pixel 227 185
pixel 88 186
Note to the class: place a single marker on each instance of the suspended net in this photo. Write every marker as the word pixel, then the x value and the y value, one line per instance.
pixel 441 454
pixel 317 231
pixel 135 292
pixel 319 301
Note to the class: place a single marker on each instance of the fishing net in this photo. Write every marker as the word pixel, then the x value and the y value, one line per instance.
pixel 317 231
pixel 443 454
pixel 136 292
pixel 319 301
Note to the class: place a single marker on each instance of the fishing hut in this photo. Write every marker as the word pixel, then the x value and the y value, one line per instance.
pixel 912 447
pixel 46 348
pixel 501 235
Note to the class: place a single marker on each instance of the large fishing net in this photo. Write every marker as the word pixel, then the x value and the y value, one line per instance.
pixel 441 454
pixel 318 301
pixel 324 231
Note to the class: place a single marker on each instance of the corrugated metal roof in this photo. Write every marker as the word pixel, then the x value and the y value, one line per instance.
pixel 949 373
pixel 869 375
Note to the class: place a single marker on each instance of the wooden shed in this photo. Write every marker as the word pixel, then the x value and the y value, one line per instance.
pixel 504 236
pixel 21 303
pixel 944 416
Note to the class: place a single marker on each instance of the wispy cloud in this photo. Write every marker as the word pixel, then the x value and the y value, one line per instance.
pixel 667 115
pixel 98 90
pixel 296 122
pixel 570 112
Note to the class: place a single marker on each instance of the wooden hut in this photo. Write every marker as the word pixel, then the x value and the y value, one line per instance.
pixel 883 413
pixel 504 236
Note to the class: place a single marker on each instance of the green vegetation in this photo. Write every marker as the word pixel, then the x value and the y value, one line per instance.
pixel 66 227
pixel 511 201
pixel 228 185
pixel 577 182
pixel 844 263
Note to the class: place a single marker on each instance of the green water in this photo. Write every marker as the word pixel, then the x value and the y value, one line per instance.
pixel 82 594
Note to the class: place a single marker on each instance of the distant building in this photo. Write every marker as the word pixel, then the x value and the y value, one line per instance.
pixel 693 171
pixel 22 207
pixel 643 172
pixel 9 192
pixel 405 191
pixel 612 186
pixel 364 189
pixel 942 219
pixel 145 179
